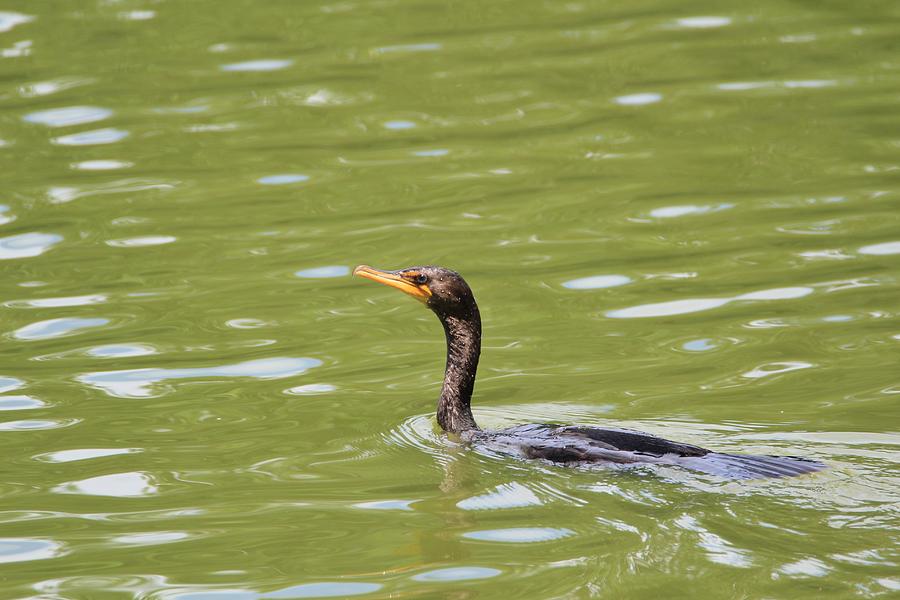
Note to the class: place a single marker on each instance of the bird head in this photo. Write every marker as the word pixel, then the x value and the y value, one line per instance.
pixel 442 290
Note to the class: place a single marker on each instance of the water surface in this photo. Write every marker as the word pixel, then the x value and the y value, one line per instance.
pixel 679 218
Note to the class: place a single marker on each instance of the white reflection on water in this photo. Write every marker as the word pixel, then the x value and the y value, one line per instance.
pixel 101 165
pixel 22 549
pixel 718 549
pixel 4 219
pixel 8 384
pixel 776 368
pixel 452 574
pixel 36 424
pixel 507 495
pixel 638 99
pixel 54 328
pixel 705 22
pixel 90 138
pixel 26 245
pixel 20 403
pixel 283 179
pixel 61 194
pixel 151 538
pixel 121 350
pixel 399 125
pixel 385 505
pixel 670 212
pixel 139 383
pixel 133 484
pixel 881 249
pixel 424 47
pixel 8 20
pixel 691 305
pixel 519 535
pixel 597 282
pixel 324 272
pixel 805 567
pixel 310 389
pixel 57 302
pixel 64 456
pixel 324 589
pixel 258 65
pixel 70 115
pixel 140 242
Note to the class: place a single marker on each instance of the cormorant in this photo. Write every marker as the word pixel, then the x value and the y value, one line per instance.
pixel 447 294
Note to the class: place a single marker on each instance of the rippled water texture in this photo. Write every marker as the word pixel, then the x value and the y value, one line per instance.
pixel 682 218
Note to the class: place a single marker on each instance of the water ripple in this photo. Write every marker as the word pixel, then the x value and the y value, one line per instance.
pixel 8 384
pixel 27 245
pixel 58 302
pixel 324 272
pixel 64 456
pixel 140 383
pixel 258 66
pixel 109 135
pixel 597 282
pixel 142 241
pixel 8 20
pixel 691 305
pixel 23 549
pixel 54 328
pixel 519 535
pixel 325 589
pixel 20 403
pixel 452 574
pixel 70 115
pixel 881 249
pixel 134 484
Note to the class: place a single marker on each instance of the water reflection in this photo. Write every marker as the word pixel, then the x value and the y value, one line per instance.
pixel 58 302
pixel 70 115
pixel 258 65
pixel 329 589
pixel 20 403
pixel 507 495
pixel 452 574
pixel 519 535
pixel 64 456
pixel 8 384
pixel 141 383
pixel 150 538
pixel 91 138
pixel 4 217
pixel 142 241
pixel 101 165
pixel 324 272
pixel 283 179
pixel 682 307
pixel 121 350
pixel 122 485
pixel 53 328
pixel 596 282
pixel 23 549
pixel 638 99
pixel 881 249
pixel 26 245
pixel 9 19
pixel 670 212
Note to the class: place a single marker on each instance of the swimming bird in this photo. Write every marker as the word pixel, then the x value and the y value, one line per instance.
pixel 448 295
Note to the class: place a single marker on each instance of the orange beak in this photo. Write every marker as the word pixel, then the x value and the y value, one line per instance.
pixel 395 280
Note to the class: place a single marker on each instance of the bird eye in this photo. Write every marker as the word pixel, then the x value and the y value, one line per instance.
pixel 421 278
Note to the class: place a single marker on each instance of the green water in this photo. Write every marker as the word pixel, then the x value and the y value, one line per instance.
pixel 678 217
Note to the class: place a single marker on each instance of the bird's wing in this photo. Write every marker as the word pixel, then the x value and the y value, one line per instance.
pixel 629 441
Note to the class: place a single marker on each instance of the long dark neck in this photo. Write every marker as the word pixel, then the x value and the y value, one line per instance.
pixel 454 413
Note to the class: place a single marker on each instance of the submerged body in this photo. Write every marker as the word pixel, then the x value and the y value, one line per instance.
pixel 449 297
